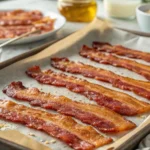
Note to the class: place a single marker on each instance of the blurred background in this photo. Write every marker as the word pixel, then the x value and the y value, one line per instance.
pixel 121 13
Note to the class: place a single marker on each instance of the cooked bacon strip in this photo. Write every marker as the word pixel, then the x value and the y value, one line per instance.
pixel 122 51
pixel 19 17
pixel 20 12
pixel 62 127
pixel 103 58
pixel 12 31
pixel 100 117
pixel 18 22
pixel 117 101
pixel 141 88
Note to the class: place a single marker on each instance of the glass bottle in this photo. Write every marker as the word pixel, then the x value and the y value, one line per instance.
pixel 123 9
pixel 78 10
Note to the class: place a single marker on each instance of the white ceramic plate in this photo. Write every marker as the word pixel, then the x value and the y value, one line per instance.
pixel 60 21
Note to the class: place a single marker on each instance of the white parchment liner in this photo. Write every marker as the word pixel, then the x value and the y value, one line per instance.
pixel 69 47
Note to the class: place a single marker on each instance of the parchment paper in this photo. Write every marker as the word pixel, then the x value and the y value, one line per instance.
pixel 21 139
pixel 69 47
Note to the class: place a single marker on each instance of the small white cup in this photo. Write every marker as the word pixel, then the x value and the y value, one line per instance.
pixel 143 18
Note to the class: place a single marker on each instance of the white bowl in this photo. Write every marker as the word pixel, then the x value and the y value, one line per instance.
pixel 143 18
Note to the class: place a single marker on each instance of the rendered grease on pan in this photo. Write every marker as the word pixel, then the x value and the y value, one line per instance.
pixel 6 126
pixel 3 126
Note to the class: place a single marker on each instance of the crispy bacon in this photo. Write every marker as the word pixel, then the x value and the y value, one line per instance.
pixel 103 58
pixel 141 88
pixel 62 127
pixel 19 17
pixel 100 117
pixel 12 31
pixel 122 51
pixel 18 22
pixel 20 12
pixel 117 101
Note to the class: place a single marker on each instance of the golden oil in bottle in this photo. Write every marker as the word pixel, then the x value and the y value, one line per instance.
pixel 78 10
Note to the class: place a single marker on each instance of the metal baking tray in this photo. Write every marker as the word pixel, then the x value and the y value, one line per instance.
pixel 69 47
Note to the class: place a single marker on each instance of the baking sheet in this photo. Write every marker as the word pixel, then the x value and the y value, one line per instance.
pixel 69 47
